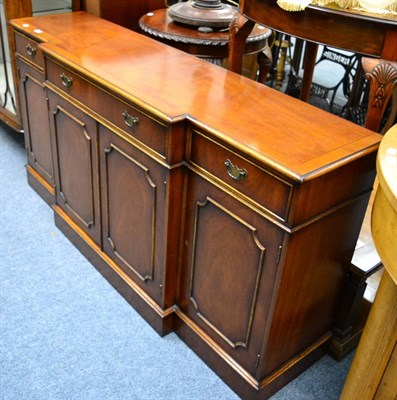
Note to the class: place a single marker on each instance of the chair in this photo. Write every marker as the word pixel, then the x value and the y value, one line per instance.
pixel 382 76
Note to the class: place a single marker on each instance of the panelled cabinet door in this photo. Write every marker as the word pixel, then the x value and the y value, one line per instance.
pixel 229 267
pixel 35 121
pixel 133 188
pixel 75 150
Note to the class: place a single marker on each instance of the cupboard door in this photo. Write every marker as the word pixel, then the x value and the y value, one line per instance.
pixel 75 149
pixel 228 271
pixel 133 190
pixel 35 121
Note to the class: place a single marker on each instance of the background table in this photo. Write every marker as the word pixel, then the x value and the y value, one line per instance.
pixel 359 32
pixel 213 46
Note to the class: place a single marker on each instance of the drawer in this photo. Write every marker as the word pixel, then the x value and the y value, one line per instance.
pixel 29 49
pixel 254 183
pixel 133 121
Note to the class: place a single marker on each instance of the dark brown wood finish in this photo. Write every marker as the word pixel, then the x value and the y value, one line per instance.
pixel 127 13
pixel 34 107
pixel 229 270
pixel 38 142
pixel 133 188
pixel 224 207
pixel 75 141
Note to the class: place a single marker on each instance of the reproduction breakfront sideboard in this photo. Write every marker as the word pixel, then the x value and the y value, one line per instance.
pixel 219 208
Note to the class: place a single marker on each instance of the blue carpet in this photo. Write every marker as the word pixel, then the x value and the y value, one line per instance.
pixel 66 334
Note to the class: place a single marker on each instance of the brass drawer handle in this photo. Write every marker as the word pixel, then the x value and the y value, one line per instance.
pixel 31 50
pixel 131 121
pixel 235 172
pixel 66 80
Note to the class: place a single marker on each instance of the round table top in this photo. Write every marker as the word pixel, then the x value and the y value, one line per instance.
pixel 384 213
pixel 159 25
pixel 387 166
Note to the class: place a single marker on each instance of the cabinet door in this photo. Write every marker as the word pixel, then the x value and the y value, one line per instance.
pixel 133 188
pixel 35 121
pixel 228 270
pixel 75 153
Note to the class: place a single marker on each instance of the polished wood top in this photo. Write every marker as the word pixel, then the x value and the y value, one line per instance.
pixel 285 134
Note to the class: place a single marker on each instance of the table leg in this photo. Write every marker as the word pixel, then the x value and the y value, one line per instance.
pixel 282 56
pixel 265 61
pixel 308 69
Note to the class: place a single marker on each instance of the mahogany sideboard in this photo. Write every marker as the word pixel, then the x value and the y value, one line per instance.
pixel 219 208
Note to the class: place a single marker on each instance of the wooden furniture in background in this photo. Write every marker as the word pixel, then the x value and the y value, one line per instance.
pixel 203 13
pixel 123 12
pixel 382 76
pixel 358 295
pixel 359 32
pixel 34 109
pixel 212 46
pixel 208 200
pixel 374 369
pixel 11 9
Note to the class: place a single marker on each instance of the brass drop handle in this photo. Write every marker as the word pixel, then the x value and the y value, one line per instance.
pixel 235 172
pixel 66 80
pixel 31 50
pixel 131 121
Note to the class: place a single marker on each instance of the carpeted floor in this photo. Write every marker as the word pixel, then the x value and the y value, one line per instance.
pixel 66 334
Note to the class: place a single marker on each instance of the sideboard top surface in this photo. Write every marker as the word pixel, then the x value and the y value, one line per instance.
pixel 290 136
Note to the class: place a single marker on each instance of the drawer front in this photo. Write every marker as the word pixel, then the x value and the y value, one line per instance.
pixel 132 121
pixel 29 49
pixel 262 187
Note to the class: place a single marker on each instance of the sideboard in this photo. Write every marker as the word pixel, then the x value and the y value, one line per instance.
pixel 219 208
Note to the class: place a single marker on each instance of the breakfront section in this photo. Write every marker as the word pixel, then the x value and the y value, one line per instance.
pixel 118 175
pixel 264 264
pixel 34 109
pixel 229 269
